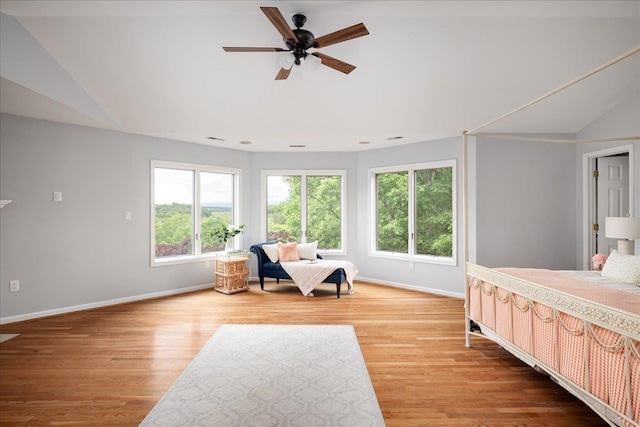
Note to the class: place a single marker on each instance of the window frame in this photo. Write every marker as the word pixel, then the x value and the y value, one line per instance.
pixel 197 255
pixel 303 203
pixel 410 169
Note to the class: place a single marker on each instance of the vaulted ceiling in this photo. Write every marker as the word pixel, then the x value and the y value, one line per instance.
pixel 427 70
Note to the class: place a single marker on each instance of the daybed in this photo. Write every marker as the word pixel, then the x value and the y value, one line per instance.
pixel 267 268
pixel 578 327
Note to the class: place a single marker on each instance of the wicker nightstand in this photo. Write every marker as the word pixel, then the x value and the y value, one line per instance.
pixel 232 274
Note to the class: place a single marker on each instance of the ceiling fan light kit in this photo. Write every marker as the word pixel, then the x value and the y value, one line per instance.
pixel 298 41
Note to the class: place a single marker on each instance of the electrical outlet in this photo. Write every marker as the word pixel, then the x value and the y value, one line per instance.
pixel 127 216
pixel 207 264
pixel 14 286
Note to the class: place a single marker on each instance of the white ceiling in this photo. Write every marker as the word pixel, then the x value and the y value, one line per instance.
pixel 428 69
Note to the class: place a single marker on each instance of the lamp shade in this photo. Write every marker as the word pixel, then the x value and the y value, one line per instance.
pixel 286 60
pixel 622 227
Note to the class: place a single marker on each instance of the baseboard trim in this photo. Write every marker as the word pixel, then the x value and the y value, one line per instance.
pixel 71 309
pixel 411 287
pixel 99 304
pixel 390 284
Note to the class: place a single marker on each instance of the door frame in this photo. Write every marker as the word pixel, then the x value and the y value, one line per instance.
pixel 589 192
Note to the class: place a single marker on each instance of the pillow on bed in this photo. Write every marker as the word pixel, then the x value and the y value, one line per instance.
pixel 307 250
pixel 271 251
pixel 625 268
pixel 288 252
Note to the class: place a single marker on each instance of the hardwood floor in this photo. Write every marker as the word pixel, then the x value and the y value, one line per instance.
pixel 109 366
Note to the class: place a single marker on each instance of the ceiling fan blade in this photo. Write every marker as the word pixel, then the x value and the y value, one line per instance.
pixel 334 63
pixel 283 74
pixel 253 49
pixel 278 21
pixel 345 34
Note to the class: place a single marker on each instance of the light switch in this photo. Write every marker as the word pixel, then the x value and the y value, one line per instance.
pixel 57 196
pixel 127 216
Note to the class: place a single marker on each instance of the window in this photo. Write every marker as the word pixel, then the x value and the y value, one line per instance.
pixel 188 202
pixel 414 212
pixel 305 207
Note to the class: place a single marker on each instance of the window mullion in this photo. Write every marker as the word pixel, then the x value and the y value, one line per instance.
pixel 303 208
pixel 197 212
pixel 411 210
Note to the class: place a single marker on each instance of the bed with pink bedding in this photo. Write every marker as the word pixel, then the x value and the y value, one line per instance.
pixel 578 327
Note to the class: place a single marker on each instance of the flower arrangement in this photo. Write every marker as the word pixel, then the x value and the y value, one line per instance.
pixel 223 233
pixel 598 261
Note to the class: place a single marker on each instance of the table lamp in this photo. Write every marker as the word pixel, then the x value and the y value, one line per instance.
pixel 624 228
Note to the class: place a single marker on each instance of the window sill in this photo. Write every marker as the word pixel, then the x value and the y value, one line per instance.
pixel 184 259
pixel 423 259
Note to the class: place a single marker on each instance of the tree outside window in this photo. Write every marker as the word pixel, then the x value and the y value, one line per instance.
pixel 305 207
pixel 189 201
pixel 414 211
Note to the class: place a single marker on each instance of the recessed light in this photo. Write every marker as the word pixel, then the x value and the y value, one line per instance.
pixel 215 138
pixel 364 142
pixel 297 146
pixel 245 142
pixel 394 137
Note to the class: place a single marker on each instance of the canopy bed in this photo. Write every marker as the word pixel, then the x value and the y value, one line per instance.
pixel 582 328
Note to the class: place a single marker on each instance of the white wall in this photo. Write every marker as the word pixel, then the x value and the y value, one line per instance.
pixel 440 278
pixel 525 204
pixel 525 208
pixel 81 251
pixel 621 121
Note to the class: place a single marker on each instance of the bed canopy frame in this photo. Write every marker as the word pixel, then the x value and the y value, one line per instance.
pixel 475 132
pixel 589 314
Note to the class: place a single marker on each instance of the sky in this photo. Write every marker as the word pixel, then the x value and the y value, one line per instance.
pixel 176 186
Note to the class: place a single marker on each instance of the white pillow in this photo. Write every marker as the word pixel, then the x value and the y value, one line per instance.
pixel 625 268
pixel 271 251
pixel 307 250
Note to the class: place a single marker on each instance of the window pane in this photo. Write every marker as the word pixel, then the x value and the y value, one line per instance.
pixel 434 212
pixel 174 212
pixel 283 208
pixel 392 201
pixel 216 207
pixel 324 211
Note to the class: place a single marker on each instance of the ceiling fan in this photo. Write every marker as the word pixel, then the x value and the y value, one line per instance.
pixel 298 41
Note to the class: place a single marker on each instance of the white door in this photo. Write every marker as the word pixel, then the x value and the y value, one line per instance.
pixel 612 196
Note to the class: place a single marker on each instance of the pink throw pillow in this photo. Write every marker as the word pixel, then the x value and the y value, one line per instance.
pixel 288 252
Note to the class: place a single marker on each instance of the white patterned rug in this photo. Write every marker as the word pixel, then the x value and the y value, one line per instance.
pixel 5 337
pixel 273 375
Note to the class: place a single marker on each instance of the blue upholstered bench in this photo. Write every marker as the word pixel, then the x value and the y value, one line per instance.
pixel 274 270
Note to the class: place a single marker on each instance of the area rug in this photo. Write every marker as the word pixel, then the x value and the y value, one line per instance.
pixel 273 375
pixel 6 337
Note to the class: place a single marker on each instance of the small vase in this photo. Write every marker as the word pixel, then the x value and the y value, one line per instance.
pixel 229 246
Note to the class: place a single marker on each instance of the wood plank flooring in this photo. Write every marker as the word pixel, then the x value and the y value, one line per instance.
pixel 109 366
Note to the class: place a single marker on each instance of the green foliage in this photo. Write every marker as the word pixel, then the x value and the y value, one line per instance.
pixel 323 212
pixel 283 219
pixel 209 223
pixel 393 211
pixel 174 227
pixel 173 224
pixel 434 228
pixel 434 214
pixel 222 233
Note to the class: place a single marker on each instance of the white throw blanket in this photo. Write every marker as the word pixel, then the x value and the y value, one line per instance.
pixel 309 274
